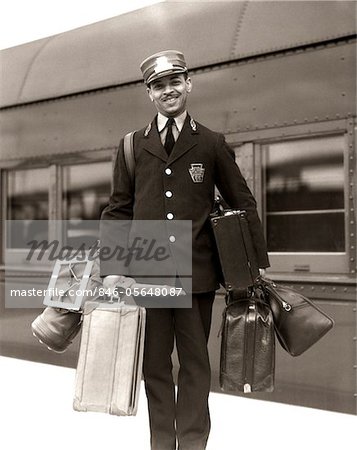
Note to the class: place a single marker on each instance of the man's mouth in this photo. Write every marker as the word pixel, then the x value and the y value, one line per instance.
pixel 170 100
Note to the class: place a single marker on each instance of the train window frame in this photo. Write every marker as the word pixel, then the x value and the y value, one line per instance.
pixel 64 186
pixel 304 264
pixel 55 195
pixel 306 261
pixel 10 257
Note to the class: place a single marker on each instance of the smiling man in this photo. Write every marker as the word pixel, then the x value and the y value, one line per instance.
pixel 178 163
pixel 169 94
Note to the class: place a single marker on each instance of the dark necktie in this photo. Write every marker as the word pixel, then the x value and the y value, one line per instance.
pixel 169 140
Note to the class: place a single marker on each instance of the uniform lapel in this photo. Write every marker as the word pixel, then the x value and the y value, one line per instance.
pixel 152 142
pixel 188 138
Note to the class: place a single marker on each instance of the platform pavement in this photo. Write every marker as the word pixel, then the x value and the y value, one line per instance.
pixel 36 414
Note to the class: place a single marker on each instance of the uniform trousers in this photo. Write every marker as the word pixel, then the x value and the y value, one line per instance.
pixel 183 417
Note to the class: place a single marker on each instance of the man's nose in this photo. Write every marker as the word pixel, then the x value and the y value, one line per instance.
pixel 168 88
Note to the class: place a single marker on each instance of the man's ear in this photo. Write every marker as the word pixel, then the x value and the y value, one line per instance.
pixel 148 90
pixel 188 84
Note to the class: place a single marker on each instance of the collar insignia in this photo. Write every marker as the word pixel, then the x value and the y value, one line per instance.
pixel 197 172
pixel 193 125
pixel 147 131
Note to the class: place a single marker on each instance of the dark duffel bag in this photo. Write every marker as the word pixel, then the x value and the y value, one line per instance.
pixel 248 344
pixel 299 323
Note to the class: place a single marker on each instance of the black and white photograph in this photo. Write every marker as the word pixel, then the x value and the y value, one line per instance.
pixel 178 224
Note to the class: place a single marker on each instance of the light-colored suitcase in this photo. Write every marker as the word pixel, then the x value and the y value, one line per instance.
pixel 110 359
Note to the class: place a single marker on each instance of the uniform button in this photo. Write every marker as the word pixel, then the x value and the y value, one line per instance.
pixel 168 194
pixel 170 216
pixel 172 239
pixel 168 171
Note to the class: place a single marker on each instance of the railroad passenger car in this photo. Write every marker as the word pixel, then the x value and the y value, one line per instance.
pixel 277 78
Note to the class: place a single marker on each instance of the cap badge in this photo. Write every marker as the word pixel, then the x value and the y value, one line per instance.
pixel 163 64
pixel 197 172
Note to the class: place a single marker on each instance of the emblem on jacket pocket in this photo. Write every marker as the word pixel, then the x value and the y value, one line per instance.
pixel 197 172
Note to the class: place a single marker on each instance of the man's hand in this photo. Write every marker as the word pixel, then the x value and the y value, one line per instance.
pixel 262 272
pixel 111 283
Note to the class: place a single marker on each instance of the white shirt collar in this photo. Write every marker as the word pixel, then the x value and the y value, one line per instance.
pixel 179 121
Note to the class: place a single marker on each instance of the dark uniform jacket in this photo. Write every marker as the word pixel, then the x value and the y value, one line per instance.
pixel 199 161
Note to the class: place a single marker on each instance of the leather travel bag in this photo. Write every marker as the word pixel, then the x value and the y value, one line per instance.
pixel 110 360
pixel 299 323
pixel 247 360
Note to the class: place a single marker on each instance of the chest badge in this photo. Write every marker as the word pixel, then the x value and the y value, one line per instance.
pixel 197 172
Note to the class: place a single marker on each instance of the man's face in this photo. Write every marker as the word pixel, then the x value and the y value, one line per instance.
pixel 169 94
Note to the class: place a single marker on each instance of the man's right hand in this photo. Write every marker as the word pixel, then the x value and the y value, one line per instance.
pixel 111 282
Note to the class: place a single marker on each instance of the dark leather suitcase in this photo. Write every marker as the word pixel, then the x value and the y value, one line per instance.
pixel 248 345
pixel 237 255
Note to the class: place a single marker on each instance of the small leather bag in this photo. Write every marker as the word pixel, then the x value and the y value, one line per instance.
pixel 298 323
pixel 247 362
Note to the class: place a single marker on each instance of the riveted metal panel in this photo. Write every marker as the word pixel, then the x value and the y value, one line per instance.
pixel 351 193
pixel 90 122
pixel 15 64
pixel 323 128
pixel 109 52
pixel 270 25
pixel 294 89
pixel 325 290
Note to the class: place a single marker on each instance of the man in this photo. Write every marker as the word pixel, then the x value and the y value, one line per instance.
pixel 178 163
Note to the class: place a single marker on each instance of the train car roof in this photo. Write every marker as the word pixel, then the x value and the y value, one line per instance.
pixel 108 53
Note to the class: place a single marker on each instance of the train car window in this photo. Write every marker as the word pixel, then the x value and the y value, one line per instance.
pixel 86 190
pixel 27 205
pixel 304 195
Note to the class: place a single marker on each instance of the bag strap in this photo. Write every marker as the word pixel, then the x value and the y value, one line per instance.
pixel 129 155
